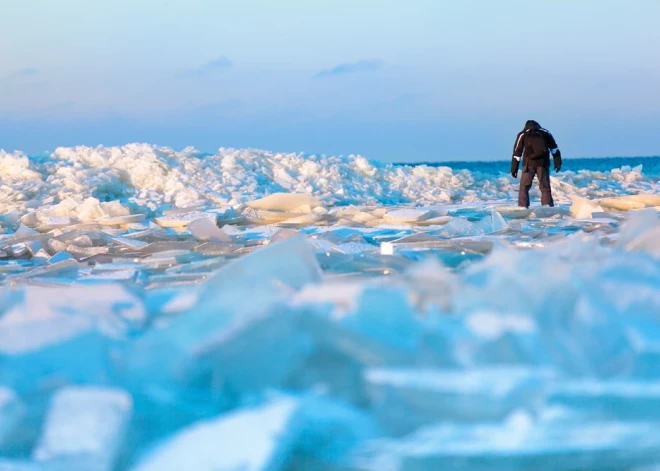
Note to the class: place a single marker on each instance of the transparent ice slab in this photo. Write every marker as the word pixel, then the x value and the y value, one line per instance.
pixel 84 429
pixel 227 316
pixel 405 399
pixel 520 443
pixel 251 439
pixel 11 412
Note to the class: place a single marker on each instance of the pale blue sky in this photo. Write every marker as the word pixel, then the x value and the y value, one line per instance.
pixel 393 80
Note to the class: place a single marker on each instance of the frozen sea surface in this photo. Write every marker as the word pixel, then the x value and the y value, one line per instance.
pixel 263 311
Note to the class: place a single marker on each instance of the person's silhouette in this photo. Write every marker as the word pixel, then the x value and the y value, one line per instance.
pixel 533 146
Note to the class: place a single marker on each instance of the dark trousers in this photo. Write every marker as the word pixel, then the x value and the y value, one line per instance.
pixel 526 179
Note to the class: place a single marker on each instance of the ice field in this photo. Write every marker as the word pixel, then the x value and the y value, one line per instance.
pixel 248 310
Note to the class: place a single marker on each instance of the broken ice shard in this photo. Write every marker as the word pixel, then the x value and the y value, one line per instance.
pixel 253 439
pixel 406 215
pixel 331 429
pixel 407 398
pixel 44 332
pixel 521 444
pixel 235 319
pixel 20 465
pixel 11 412
pixel 284 202
pixel 205 230
pixel 621 399
pixel 492 222
pixel 582 208
pixel 382 330
pixel 121 220
pixel 84 429
pixel 181 220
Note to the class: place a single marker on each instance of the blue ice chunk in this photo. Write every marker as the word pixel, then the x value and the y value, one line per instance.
pixel 644 335
pixel 331 430
pixel 626 400
pixel 382 330
pixel 501 283
pixel 459 227
pixel 63 333
pixel 332 372
pixel 630 281
pixel 291 262
pixel 11 413
pixel 631 287
pixel 20 465
pixel 492 222
pixel 590 338
pixel 238 321
pixel 446 343
pixel 251 439
pixel 84 429
pixel 519 444
pixel 405 399
pixel 37 341
pixel 503 338
pixel 578 328
pixel 386 316
pixel 635 232
pixel 647 363
pixel 60 257
pixel 237 361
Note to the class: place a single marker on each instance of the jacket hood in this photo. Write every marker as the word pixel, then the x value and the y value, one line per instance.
pixel 531 124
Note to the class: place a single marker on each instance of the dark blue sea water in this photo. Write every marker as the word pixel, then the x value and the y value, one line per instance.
pixel 650 165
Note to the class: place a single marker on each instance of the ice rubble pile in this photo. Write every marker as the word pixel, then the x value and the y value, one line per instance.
pixel 526 359
pixel 90 240
pixel 149 176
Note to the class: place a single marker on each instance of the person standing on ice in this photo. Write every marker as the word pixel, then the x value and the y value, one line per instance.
pixel 534 146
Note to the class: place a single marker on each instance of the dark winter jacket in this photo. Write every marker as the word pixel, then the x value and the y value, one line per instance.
pixel 534 146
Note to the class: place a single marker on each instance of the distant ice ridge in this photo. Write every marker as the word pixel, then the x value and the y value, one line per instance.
pixel 150 176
